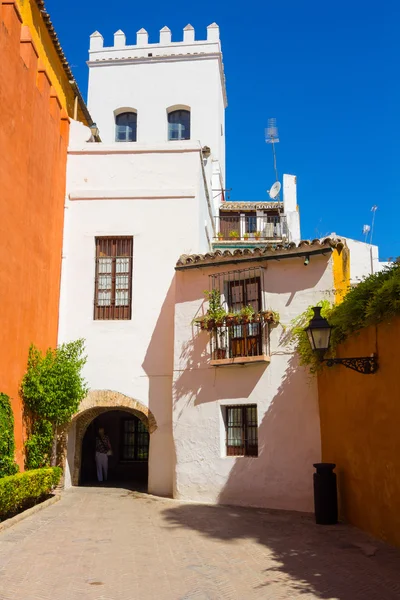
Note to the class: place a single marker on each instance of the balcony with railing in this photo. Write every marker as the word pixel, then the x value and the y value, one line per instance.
pixel 236 319
pixel 248 229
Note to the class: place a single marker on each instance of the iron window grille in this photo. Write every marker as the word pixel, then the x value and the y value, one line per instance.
pixel 242 430
pixel 135 440
pixel 113 279
pixel 240 335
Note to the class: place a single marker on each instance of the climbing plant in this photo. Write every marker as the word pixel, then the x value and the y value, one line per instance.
pixel 295 336
pixel 375 299
pixel 7 442
pixel 52 389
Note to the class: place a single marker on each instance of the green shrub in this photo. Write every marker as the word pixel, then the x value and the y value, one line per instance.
pixel 7 443
pixel 52 389
pixel 39 444
pixel 22 490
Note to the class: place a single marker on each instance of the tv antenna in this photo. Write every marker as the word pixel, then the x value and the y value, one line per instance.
pixel 369 229
pixel 271 137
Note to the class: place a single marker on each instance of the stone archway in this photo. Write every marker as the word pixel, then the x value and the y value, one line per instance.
pixel 96 403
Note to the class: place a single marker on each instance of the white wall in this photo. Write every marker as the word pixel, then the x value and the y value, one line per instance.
pixel 176 73
pixel 364 259
pixel 291 208
pixel 154 195
pixel 286 396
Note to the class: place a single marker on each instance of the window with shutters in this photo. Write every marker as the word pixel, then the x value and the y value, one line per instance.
pixel 113 279
pixel 242 430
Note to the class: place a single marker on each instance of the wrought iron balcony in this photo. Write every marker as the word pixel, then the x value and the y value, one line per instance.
pixel 240 344
pixel 246 228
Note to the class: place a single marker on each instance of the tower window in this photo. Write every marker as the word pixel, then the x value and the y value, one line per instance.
pixel 125 127
pixel 179 125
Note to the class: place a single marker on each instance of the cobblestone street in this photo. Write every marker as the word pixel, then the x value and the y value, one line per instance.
pixel 114 544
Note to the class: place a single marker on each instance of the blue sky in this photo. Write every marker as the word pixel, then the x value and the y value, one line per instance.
pixel 328 72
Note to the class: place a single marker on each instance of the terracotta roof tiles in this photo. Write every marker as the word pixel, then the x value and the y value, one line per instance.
pixel 266 252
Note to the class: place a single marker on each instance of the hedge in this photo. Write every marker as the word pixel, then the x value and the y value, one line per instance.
pixel 20 491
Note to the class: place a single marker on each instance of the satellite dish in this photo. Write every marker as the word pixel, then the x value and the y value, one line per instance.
pixel 274 191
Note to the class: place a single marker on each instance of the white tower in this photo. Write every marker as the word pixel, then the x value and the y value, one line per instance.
pixel 152 80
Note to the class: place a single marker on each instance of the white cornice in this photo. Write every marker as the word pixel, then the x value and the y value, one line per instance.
pixel 136 148
pixel 147 194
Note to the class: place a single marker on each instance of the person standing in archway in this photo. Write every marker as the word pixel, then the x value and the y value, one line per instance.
pixel 103 451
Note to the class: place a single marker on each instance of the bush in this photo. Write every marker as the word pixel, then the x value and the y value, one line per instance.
pixel 7 443
pixel 39 444
pixel 20 491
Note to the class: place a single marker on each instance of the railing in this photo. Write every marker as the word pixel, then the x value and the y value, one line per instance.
pixel 239 341
pixel 244 228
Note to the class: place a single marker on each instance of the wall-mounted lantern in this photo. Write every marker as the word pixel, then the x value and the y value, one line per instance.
pixel 319 335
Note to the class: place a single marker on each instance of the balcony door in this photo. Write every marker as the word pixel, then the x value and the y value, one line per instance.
pixel 245 339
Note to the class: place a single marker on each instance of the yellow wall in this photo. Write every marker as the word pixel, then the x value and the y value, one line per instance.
pixel 48 55
pixel 341 273
pixel 360 431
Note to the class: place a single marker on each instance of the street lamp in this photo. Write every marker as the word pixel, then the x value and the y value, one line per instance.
pixel 94 130
pixel 319 335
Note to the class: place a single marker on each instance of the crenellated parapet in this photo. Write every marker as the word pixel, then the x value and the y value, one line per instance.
pixel 164 46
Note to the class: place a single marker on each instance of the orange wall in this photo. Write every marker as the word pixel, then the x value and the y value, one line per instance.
pixel 33 153
pixel 360 430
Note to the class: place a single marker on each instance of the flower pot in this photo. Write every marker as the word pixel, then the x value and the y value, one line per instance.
pixel 220 353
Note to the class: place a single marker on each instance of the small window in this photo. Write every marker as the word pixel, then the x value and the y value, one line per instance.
pixel 135 440
pixel 113 281
pixel 241 430
pixel 179 125
pixel 125 127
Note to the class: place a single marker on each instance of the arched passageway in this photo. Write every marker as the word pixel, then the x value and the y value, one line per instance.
pixel 129 438
pixel 95 406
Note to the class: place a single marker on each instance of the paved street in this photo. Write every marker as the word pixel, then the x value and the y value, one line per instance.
pixel 113 544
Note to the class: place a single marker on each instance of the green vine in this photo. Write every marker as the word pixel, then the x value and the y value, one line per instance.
pixel 374 300
pixel 7 442
pixel 296 337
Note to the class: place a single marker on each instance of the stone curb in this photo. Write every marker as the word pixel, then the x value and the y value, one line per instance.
pixel 27 513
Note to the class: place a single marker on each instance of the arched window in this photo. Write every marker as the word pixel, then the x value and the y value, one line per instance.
pixel 179 125
pixel 125 127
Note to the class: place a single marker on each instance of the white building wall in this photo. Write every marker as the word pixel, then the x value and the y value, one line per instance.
pixel 154 195
pixel 285 394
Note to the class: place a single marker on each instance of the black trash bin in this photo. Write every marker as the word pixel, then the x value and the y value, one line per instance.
pixel 325 494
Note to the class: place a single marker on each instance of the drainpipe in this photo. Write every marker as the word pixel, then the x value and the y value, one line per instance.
pixel 76 108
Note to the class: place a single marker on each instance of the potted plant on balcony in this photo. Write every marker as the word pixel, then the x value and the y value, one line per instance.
pixel 246 236
pixel 232 318
pixel 220 235
pixel 234 235
pixel 270 316
pixel 257 235
pixel 247 313
pixel 215 315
